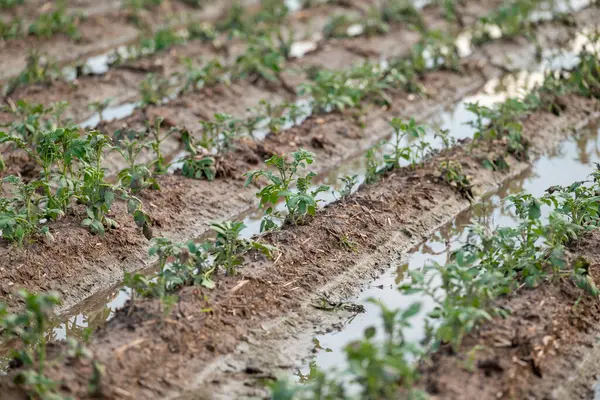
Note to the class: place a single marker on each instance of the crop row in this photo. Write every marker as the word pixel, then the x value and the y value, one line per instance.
pixel 200 198
pixel 502 137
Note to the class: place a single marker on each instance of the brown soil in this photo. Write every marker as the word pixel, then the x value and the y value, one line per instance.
pixel 147 356
pixel 540 351
pixel 100 33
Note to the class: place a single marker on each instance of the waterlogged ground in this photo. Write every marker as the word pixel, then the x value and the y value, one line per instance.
pixel 571 162
pixel 98 309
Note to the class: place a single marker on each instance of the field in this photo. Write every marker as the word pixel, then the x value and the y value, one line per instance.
pixel 310 199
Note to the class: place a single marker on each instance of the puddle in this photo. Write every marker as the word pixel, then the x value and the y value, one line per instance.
pixel 574 160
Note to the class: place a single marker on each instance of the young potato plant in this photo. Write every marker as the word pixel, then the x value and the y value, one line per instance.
pixel 418 146
pixel 377 368
pixel 491 264
pixel 512 19
pixel 135 176
pixel 209 74
pixel 398 11
pixel 199 163
pixel 30 328
pixel 38 70
pixel 71 173
pixel 261 60
pixel 57 21
pixel 301 202
pixel 154 89
pixel 187 264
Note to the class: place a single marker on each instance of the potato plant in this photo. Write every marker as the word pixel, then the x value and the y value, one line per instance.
pixel 184 264
pixel 301 202
pixel 71 173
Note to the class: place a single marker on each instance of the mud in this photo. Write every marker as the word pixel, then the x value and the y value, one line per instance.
pixel 269 300
pixel 100 33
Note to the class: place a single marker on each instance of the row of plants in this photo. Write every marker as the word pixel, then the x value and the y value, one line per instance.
pixel 45 25
pixel 71 178
pixel 489 265
pixel 329 90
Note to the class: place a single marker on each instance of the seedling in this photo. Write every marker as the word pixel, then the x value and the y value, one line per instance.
pixel 209 74
pixel 100 107
pixel 228 248
pixel 349 183
pixel 154 89
pixel 159 164
pixel 199 163
pixel 37 70
pixel 30 328
pixel 58 21
pixel 135 177
pixel 415 152
pixel 261 60
pixel 299 203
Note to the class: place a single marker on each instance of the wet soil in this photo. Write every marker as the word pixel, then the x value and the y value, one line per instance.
pixel 209 341
pixel 544 349
pixel 100 33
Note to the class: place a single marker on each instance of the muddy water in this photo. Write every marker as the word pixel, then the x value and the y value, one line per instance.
pixel 573 161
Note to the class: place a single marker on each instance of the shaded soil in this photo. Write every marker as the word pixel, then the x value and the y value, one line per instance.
pixel 540 351
pixel 149 356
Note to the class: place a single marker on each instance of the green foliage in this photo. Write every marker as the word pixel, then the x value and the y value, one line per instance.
pixel 512 19
pixel 136 177
pixel 30 327
pixel 349 183
pixel 209 74
pixel 394 11
pixel 159 164
pixel 261 60
pixel 38 69
pixel 71 173
pixel 452 173
pixel 301 202
pixel 154 89
pixel 100 107
pixel 187 264
pixel 376 367
pixel 58 21
pixel 11 29
pixel 418 146
pixel 6 4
